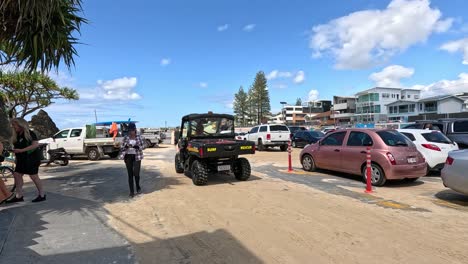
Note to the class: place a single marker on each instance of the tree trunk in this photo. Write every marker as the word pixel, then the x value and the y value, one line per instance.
pixel 5 131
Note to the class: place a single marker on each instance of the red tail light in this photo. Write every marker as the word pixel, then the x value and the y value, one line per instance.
pixel 391 158
pixel 200 151
pixel 431 146
pixel 268 137
pixel 449 161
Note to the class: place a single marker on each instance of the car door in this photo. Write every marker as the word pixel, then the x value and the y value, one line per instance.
pixel 328 155
pixel 60 139
pixel 297 137
pixel 75 141
pixel 355 151
pixel 252 134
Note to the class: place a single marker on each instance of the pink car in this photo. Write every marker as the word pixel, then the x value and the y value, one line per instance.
pixel 393 155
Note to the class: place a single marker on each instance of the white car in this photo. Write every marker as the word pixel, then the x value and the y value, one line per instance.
pixel 432 144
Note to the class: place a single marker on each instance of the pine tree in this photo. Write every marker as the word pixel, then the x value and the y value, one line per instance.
pixel 241 106
pixel 299 102
pixel 261 97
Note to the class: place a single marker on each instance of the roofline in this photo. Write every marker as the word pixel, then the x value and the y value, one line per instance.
pixel 377 87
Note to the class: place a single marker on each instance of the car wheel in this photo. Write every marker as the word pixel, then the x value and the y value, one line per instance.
pixel 284 147
pixel 178 166
pixel 93 154
pixel 64 162
pixel 148 143
pixel 114 155
pixel 308 163
pixel 242 169
pixel 261 147
pixel 377 175
pixel 199 173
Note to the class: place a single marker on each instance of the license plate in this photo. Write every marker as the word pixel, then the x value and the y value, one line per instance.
pixel 412 160
pixel 224 167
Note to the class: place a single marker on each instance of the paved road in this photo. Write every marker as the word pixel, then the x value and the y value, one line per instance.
pixel 70 227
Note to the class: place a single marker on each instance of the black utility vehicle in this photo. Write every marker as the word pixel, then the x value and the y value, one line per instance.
pixel 207 144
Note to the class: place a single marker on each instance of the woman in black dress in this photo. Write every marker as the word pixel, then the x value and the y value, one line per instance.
pixel 28 159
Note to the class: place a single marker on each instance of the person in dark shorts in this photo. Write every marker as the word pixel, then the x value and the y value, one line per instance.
pixel 132 154
pixel 28 159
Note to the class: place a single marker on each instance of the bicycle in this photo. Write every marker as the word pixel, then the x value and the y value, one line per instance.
pixel 7 168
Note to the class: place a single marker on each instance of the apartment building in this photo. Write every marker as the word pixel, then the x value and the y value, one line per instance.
pixel 440 106
pixel 343 109
pixel 371 104
pixel 302 114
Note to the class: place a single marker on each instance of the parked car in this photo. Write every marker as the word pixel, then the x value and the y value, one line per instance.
pixel 433 145
pixel 269 135
pixel 454 128
pixel 454 174
pixel 294 129
pixel 304 138
pixel 393 155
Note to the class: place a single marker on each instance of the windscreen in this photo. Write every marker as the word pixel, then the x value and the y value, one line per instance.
pixel 213 126
pixel 437 137
pixel 394 139
pixel 278 128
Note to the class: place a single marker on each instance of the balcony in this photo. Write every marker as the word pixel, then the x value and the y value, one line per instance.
pixel 343 115
pixel 342 106
pixel 430 109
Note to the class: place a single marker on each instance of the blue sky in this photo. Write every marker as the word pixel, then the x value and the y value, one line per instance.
pixel 155 61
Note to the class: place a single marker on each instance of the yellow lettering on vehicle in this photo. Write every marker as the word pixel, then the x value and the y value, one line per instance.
pixel 211 149
pixel 192 149
pixel 245 147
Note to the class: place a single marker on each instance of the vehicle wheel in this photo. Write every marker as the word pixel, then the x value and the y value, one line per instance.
pixel 64 162
pixel 5 173
pixel 308 163
pixel 294 144
pixel 242 169
pixel 114 155
pixel 93 154
pixel 148 143
pixel 178 167
pixel 261 147
pixel 199 173
pixel 153 145
pixel 377 175
pixel 284 147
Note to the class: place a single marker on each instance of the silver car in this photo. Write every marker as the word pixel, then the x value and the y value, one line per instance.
pixel 454 173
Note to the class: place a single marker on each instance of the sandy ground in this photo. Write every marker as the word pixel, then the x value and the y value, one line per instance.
pixel 270 220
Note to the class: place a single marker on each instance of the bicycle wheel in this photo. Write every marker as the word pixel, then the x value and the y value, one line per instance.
pixel 6 173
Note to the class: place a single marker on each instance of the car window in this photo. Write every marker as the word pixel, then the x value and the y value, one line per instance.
pixel 299 134
pixel 359 139
pixel 412 126
pixel 263 129
pixel 436 137
pixel 394 138
pixel 409 135
pixel 460 126
pixel 62 134
pixel 335 139
pixel 317 134
pixel 75 133
pixel 254 130
pixel 278 128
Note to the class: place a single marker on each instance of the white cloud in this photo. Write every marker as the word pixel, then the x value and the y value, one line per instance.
pixel 62 78
pixel 459 85
pixel 278 74
pixel 165 62
pixel 300 77
pixel 118 89
pixel 391 76
pixel 203 84
pixel 223 27
pixel 281 86
pixel 249 27
pixel 364 38
pixel 313 95
pixel 458 45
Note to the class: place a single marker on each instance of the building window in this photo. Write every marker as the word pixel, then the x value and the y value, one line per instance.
pixel 390 109
pixel 402 97
pixel 430 107
pixel 412 108
pixel 409 96
pixel 416 96
pixel 385 95
pixel 420 107
pixel 403 109
pixel 393 95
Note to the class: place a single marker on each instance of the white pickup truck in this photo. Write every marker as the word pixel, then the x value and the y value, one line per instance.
pixel 76 142
pixel 269 135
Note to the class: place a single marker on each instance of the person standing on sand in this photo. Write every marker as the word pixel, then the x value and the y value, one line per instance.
pixel 132 154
